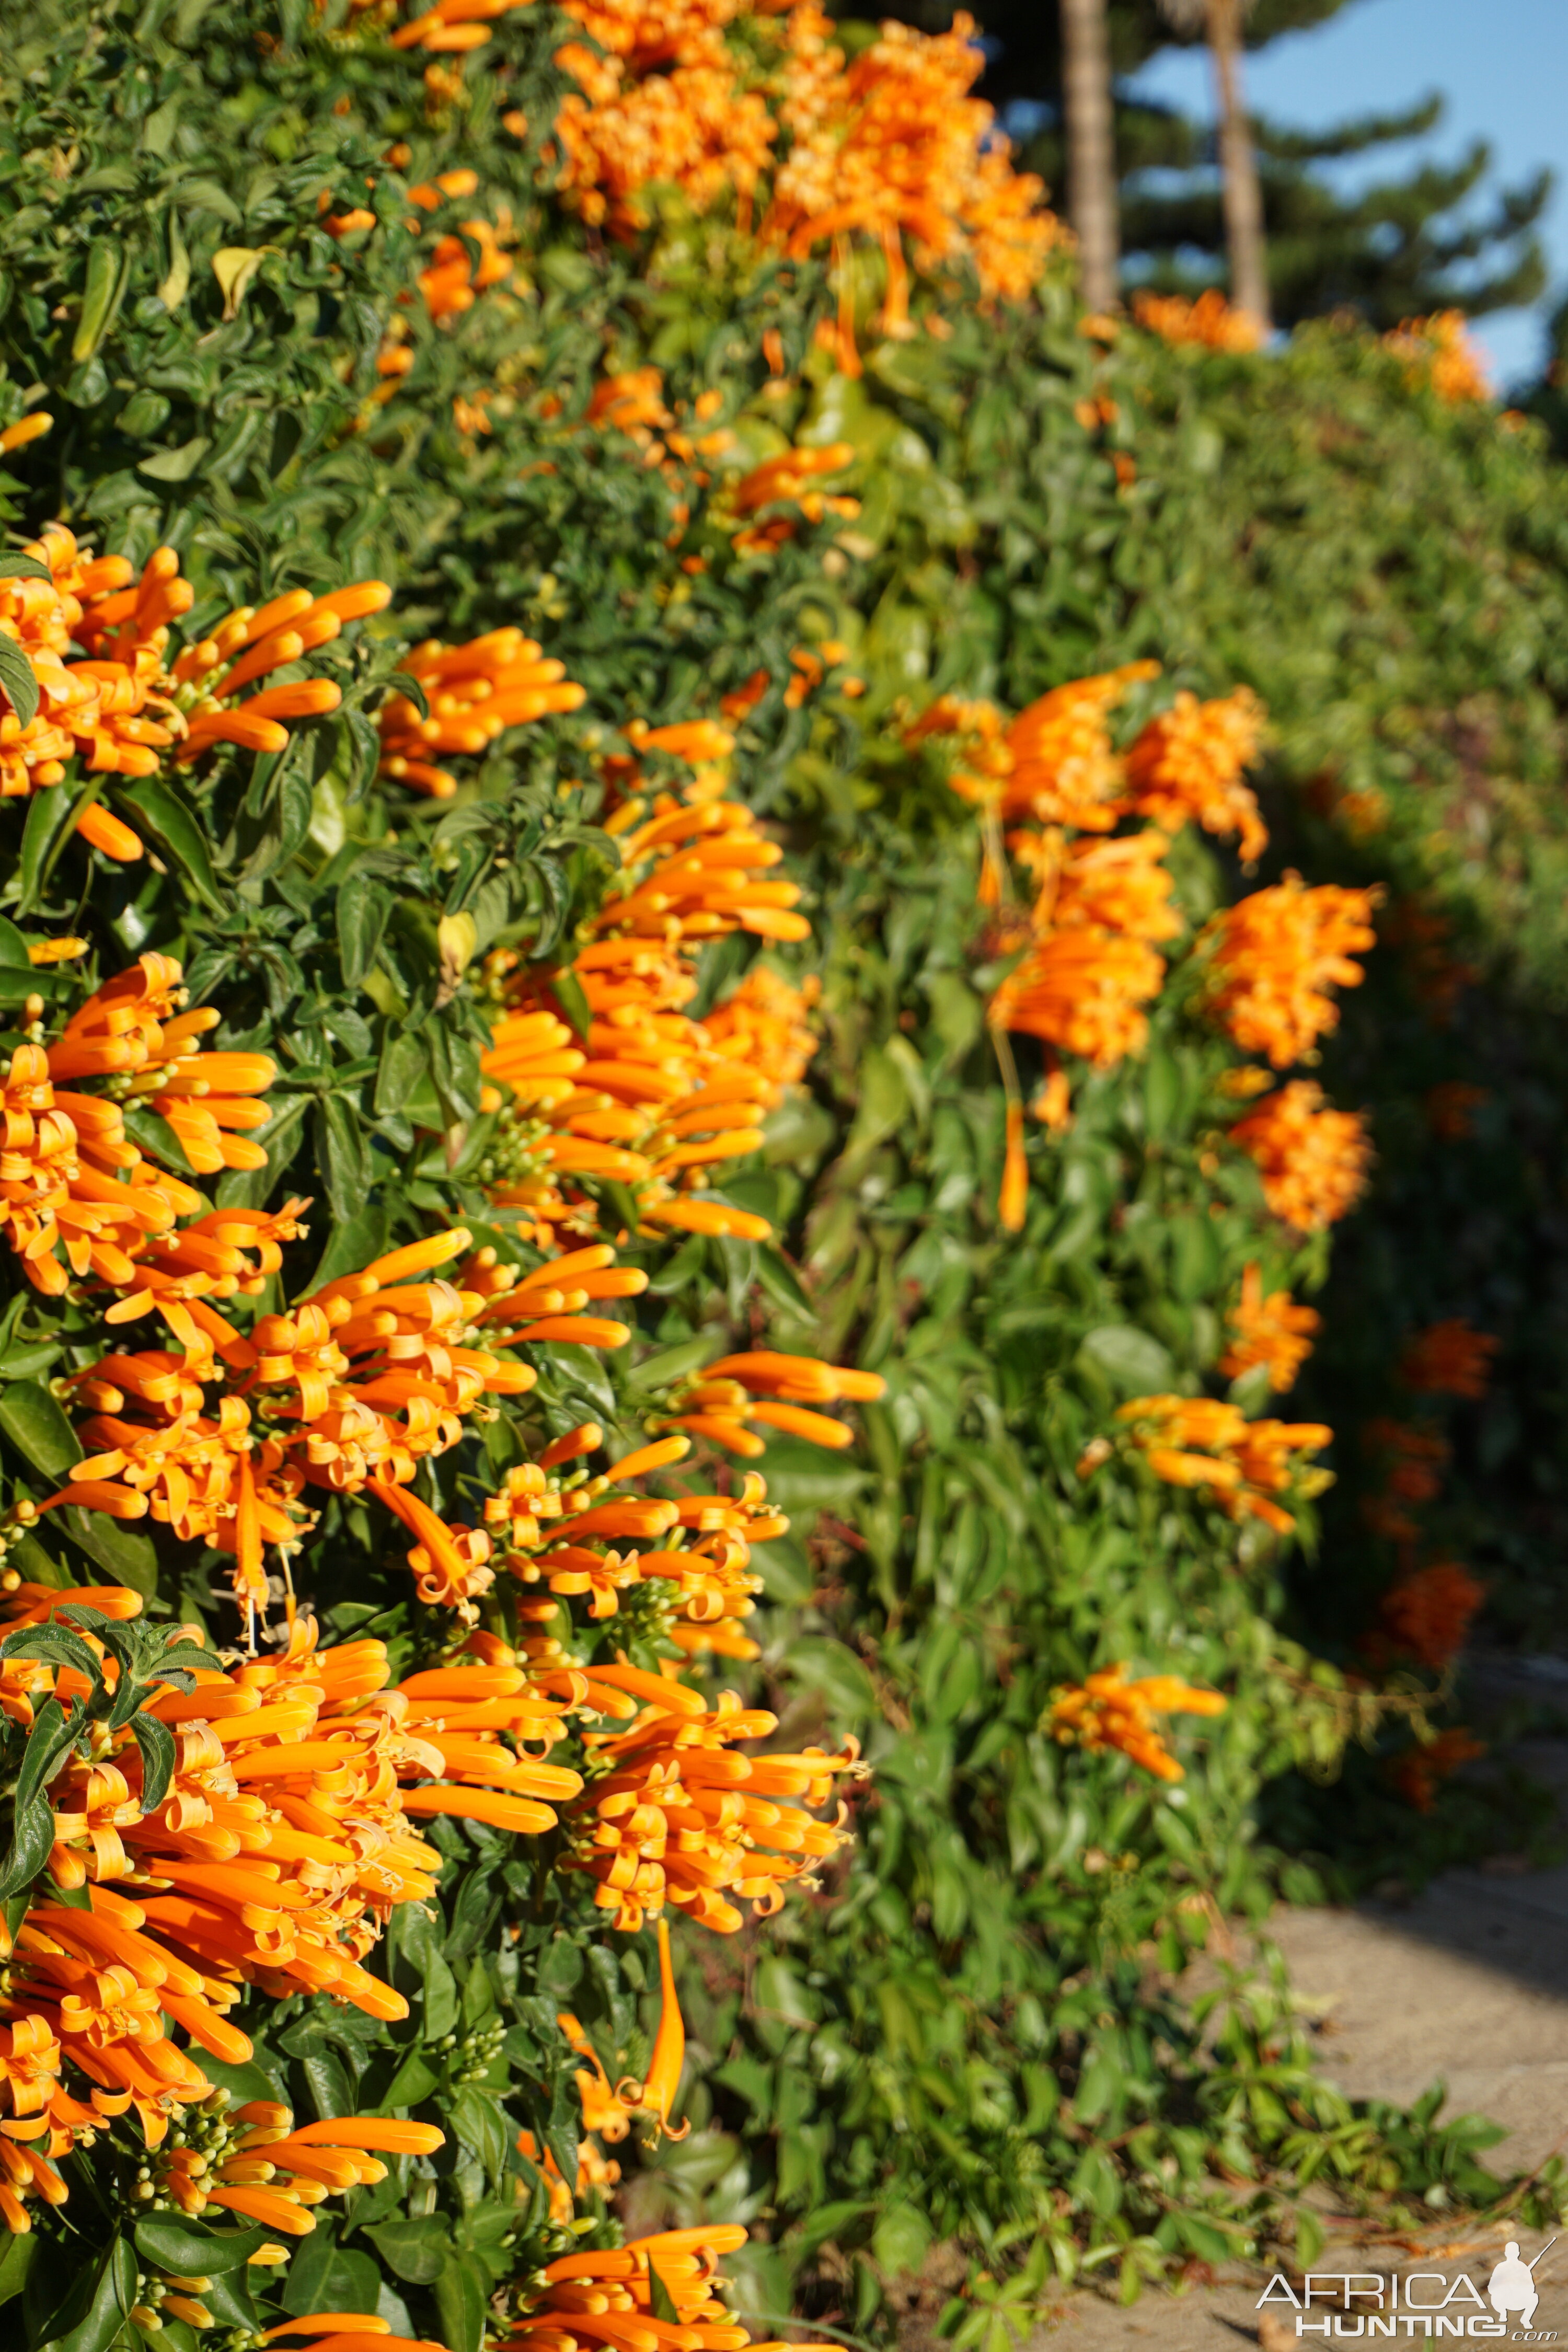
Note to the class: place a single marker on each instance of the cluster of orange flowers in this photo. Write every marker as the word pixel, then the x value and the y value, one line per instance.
pixel 1449 1360
pixel 891 146
pixel 77 1196
pixel 1188 763
pixel 553 1525
pixel 783 1392
pixel 348 1392
pixel 1268 1329
pixel 651 1096
pixel 1428 1614
pixel 280 1848
pixel 787 482
pixel 1421 1771
pixel 585 2300
pixel 1090 966
pixel 1108 1711
pixel 1276 956
pixel 1439 353
pixel 474 693
pixel 1315 1162
pixel 1201 1442
pixel 673 1814
pixel 1414 1463
pixel 97 641
pixel 894 146
pixel 1209 320
pixel 1056 761
pixel 672 111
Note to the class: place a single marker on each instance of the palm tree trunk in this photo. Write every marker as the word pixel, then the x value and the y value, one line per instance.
pixel 1092 153
pixel 1243 196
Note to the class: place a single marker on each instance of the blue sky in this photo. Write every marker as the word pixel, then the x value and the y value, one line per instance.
pixel 1501 65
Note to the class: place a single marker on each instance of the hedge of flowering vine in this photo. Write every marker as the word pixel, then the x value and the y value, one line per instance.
pixel 664 1155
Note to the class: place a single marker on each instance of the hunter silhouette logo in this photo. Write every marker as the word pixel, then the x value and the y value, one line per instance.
pixel 1345 2304
pixel 1511 2286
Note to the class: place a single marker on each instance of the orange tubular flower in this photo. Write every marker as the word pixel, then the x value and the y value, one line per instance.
pixel 1450 1360
pixel 1315 1163
pixel 1055 761
pixel 1091 970
pixel 720 1401
pixel 651 1097
pixel 348 1390
pixel 1209 322
pixel 72 1186
pixel 1241 1464
pixel 1427 1615
pixel 95 707
pixel 453 281
pixel 676 1815
pixel 251 644
pixel 1108 1711
pixel 451 28
pixel 1440 352
pixel 1276 956
pixel 552 1524
pixel 786 481
pixel 1188 763
pixel 1271 1330
pixel 129 1033
pixel 586 2301
pixel 275 1857
pixel 476 692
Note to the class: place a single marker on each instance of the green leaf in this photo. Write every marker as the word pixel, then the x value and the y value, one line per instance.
pixel 352 1245
pixel 364 906
pixel 250 2080
pixel 24 567
pixel 108 2294
pixel 413 2081
pixel 659 2296
pixel 672 1364
pixel 1133 1362
pixel 189 2251
pixel 900 2241
pixel 175 465
pixel 415 2251
pixel 404 1062
pixel 125 1558
pixel 174 826
pixel 480 2123
pixel 159 1757
pixel 828 1667
pixel 571 996
pixel 32 1841
pixel 36 1426
pixel 17 2256
pixel 22 692
pixel 342 1154
pixel 151 1131
pixel 103 273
